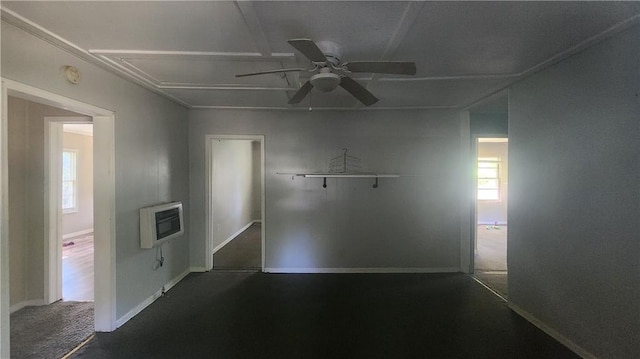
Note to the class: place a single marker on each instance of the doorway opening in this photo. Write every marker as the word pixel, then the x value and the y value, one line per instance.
pixel 77 212
pixel 32 274
pixel 491 224
pixel 235 196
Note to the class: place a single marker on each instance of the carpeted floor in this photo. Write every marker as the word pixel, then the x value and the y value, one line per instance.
pixel 491 258
pixel 243 252
pixel 50 331
pixel 495 280
pixel 258 315
pixel 491 252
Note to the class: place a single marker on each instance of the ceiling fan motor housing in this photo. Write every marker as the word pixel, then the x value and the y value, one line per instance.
pixel 331 50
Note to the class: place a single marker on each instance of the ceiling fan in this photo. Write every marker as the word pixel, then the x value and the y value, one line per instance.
pixel 330 71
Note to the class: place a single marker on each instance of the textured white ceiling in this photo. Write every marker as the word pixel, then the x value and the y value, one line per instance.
pixel 190 51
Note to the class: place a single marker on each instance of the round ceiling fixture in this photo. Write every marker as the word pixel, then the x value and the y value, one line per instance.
pixel 325 81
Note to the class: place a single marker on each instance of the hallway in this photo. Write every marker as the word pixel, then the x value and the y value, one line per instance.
pixel 244 252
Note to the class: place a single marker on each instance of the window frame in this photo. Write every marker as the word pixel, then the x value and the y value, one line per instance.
pixel 74 181
pixel 494 161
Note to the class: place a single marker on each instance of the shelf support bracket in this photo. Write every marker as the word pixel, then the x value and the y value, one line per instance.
pixel 324 183
pixel 375 185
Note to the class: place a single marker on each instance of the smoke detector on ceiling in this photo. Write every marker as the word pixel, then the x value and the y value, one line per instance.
pixel 72 74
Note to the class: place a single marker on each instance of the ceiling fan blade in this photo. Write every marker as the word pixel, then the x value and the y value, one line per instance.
pixel 302 93
pixel 358 91
pixel 309 49
pixel 383 67
pixel 270 72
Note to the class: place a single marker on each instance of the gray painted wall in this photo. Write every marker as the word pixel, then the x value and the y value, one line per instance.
pixel 151 154
pixel 408 222
pixel 26 197
pixel 574 216
pixel 232 187
pixel 82 219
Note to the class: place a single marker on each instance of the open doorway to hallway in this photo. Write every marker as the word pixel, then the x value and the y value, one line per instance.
pixel 236 203
pixel 490 252
pixel 28 284
pixel 77 212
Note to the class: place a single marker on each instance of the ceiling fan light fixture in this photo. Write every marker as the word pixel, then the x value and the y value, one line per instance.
pixel 325 81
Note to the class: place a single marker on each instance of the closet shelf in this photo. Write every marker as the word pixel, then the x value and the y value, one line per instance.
pixel 324 176
pixel 341 175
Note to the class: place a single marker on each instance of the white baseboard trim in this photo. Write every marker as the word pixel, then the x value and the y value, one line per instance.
pixel 360 270
pixel 78 233
pixel 133 312
pixel 198 269
pixel 257 221
pixel 27 303
pixel 552 332
pixel 219 246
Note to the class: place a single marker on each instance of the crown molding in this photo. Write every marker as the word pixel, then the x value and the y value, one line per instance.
pixel 312 109
pixel 40 32
pixel 104 58
pixel 561 56
pixel 215 55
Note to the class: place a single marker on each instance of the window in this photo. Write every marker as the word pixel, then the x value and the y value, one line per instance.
pixel 69 181
pixel 489 178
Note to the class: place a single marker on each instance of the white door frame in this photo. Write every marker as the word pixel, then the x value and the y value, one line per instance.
pixel 466 172
pixel 104 205
pixel 209 200
pixel 53 137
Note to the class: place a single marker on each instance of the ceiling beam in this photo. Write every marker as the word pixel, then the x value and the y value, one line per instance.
pixel 411 12
pixel 232 56
pixel 254 26
pixel 223 87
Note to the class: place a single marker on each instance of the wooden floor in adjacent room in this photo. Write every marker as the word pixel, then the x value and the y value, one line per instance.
pixel 77 268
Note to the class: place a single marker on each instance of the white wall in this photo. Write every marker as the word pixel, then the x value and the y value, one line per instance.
pixel 82 220
pixel 574 217
pixel 151 154
pixel 26 197
pixel 408 222
pixel 232 188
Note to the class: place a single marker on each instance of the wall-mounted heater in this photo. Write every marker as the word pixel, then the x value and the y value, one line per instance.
pixel 160 223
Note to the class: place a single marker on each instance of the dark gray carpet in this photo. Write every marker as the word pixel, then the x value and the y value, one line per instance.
pixel 243 252
pixel 257 315
pixel 50 331
pixel 494 280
